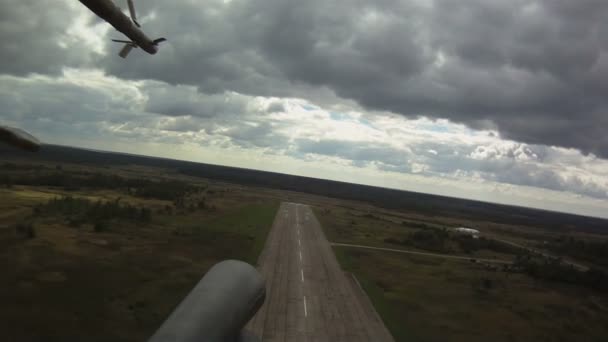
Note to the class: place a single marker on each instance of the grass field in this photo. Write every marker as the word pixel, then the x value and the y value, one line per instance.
pixel 424 299
pixel 374 229
pixel 252 222
pixel 71 281
pixel 433 299
pixel 75 283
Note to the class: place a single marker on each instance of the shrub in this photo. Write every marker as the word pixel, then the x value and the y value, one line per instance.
pixel 81 210
pixel 100 226
pixel 25 230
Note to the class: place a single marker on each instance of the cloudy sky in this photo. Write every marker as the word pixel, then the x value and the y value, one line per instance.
pixel 502 101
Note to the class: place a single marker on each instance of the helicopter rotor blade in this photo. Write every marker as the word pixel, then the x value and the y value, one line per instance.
pixel 132 12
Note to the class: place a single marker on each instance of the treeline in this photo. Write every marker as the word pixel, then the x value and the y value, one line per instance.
pixel 441 240
pixel 170 190
pixel 418 225
pixel 555 270
pixel 71 181
pixel 25 230
pixel 593 251
pixel 388 198
pixel 79 211
pixel 551 269
pixel 15 167
pixel 435 240
pixel 469 244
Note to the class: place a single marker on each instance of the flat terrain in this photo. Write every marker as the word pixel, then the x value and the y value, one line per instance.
pixel 101 247
pixel 309 297
pixel 433 299
pixel 436 293
pixel 76 279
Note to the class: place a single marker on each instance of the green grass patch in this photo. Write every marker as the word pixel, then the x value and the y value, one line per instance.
pixel 431 299
pixel 349 259
pixel 252 221
pixel 121 282
pixel 460 301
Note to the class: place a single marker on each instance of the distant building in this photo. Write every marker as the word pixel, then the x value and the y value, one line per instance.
pixel 468 231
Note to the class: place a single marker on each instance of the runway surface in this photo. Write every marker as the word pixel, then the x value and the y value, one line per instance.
pixel 309 298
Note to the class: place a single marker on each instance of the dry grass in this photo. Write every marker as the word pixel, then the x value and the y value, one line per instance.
pixel 433 299
pixel 423 299
pixel 72 283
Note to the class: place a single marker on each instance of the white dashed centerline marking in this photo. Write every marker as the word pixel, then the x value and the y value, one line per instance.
pixel 300 255
pixel 305 311
pixel 302 273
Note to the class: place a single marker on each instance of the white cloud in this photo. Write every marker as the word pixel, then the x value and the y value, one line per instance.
pixel 89 108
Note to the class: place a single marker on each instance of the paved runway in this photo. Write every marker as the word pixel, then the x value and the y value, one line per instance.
pixel 309 298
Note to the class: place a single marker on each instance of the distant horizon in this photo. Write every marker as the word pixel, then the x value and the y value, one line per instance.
pixel 330 179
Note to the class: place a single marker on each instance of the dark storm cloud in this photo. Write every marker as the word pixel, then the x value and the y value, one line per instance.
pixel 55 100
pixel 272 47
pixel 188 101
pixel 48 108
pixel 31 32
pixel 535 70
pixel 207 47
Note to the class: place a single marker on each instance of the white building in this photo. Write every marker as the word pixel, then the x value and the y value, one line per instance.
pixel 468 231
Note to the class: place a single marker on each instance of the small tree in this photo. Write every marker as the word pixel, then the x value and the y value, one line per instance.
pixel 144 214
pixel 100 226
pixel 487 283
pixel 25 230
pixel 202 203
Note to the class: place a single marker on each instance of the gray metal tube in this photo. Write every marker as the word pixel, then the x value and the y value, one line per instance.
pixel 218 307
